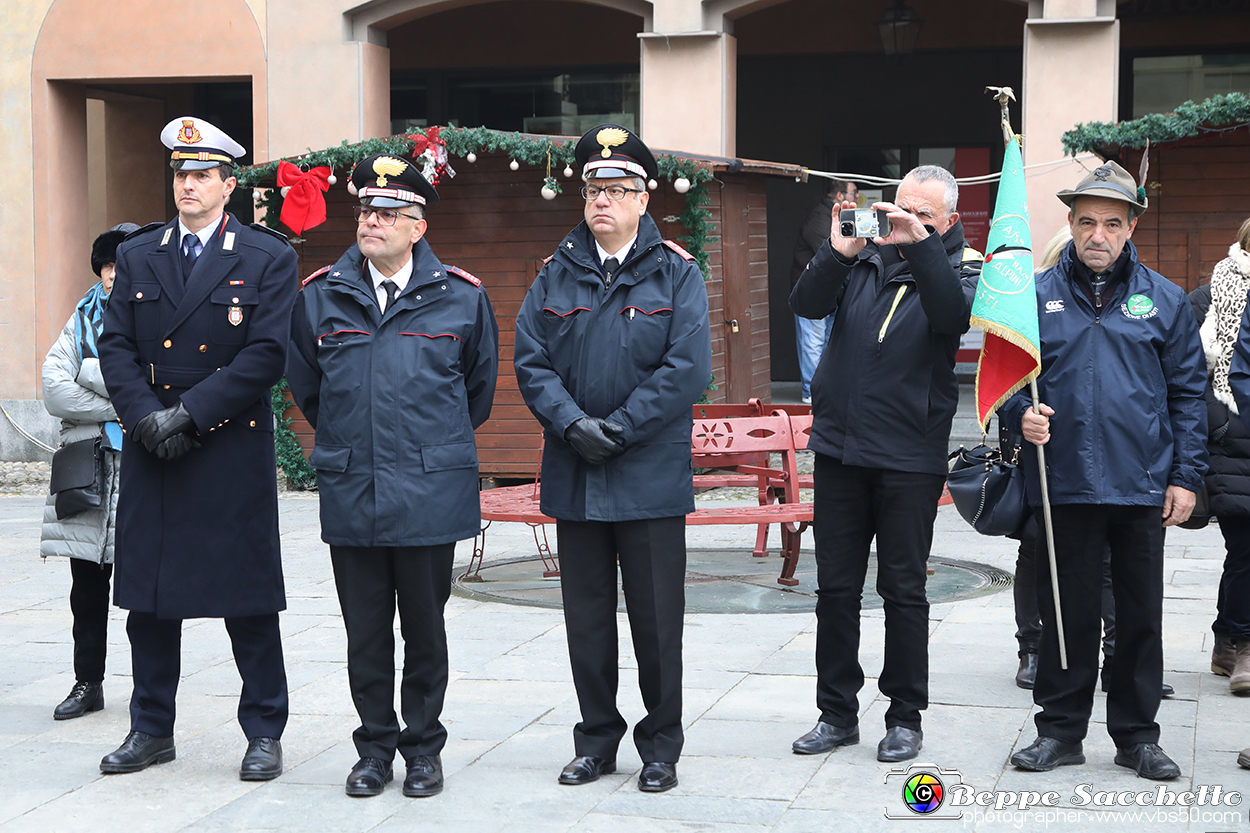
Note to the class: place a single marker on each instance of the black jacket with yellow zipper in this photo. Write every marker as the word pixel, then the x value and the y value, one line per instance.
pixel 885 391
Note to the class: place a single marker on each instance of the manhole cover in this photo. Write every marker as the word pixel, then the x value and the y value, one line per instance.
pixel 727 581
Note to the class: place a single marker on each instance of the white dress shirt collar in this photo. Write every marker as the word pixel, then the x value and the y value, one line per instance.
pixel 400 278
pixel 620 256
pixel 205 234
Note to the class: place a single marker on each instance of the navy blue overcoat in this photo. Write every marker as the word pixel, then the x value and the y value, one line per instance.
pixel 198 536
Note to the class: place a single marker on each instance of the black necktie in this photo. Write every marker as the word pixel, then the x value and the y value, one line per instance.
pixel 391 289
pixel 610 266
pixel 190 251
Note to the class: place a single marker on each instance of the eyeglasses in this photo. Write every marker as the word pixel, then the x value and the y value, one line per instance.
pixel 616 193
pixel 386 216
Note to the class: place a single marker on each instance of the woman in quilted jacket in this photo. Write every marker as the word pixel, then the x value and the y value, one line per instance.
pixel 73 389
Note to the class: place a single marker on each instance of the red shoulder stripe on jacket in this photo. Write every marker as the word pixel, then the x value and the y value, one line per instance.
pixel 315 275
pixel 684 254
pixel 456 270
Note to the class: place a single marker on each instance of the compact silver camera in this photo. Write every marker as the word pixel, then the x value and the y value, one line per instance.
pixel 863 222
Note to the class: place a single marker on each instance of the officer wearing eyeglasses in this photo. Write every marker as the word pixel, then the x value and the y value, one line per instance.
pixel 612 350
pixel 393 362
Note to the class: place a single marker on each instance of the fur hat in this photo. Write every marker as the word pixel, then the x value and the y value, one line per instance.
pixel 104 249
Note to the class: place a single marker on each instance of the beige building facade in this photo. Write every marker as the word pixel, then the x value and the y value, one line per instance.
pixel 88 83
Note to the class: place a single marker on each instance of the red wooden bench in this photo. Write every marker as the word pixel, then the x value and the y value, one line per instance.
pixel 738 448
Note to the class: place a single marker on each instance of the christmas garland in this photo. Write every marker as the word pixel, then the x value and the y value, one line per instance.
pixel 1215 115
pixel 299 475
pixel 689 175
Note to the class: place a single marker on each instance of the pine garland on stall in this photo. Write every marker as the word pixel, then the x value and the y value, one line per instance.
pixel 1217 114
pixel 299 475
pixel 688 176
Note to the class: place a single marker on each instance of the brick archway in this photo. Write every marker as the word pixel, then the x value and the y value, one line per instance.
pixel 86 50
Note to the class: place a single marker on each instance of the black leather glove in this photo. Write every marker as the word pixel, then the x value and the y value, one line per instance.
pixel 176 446
pixel 591 441
pixel 159 426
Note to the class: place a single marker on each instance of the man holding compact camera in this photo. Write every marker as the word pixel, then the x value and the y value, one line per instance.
pixel 883 400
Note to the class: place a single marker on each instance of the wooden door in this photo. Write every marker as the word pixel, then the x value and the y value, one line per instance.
pixel 736 325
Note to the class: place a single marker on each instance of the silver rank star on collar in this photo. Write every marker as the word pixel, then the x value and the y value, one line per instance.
pixel 436 274
pixel 569 244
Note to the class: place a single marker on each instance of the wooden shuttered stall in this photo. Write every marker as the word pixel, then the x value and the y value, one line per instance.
pixel 493 222
pixel 1198 200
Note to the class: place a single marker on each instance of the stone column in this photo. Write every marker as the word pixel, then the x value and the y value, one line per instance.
pixel 689 88
pixel 1071 75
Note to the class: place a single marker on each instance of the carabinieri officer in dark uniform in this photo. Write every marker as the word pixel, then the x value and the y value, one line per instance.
pixel 195 336
pixel 612 350
pixel 393 360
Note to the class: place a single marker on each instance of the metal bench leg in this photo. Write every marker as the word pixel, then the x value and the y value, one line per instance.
pixel 790 541
pixel 766 497
pixel 552 567
pixel 471 573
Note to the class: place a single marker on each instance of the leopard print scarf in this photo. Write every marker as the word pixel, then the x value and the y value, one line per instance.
pixel 1230 282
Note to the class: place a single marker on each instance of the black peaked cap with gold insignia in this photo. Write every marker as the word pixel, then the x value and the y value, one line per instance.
pixel 388 181
pixel 610 151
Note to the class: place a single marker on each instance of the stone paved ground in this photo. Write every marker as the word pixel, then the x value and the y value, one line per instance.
pixel 749 690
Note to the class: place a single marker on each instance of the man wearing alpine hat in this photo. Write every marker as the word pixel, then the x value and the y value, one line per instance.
pixel 393 361
pixel 195 336
pixel 612 350
pixel 1124 422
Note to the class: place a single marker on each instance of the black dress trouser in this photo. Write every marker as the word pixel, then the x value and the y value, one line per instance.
pixel 89 603
pixel 853 505
pixel 156 661
pixel 371 582
pixel 1025 590
pixel 652 555
pixel 1135 673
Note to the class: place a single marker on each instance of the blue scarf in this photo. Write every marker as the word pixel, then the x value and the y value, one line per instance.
pixel 89 321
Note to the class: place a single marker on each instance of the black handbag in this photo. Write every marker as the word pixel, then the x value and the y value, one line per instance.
pixel 77 477
pixel 987 490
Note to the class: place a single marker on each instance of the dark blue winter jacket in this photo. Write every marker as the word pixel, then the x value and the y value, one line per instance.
pixel 395 397
pixel 1126 385
pixel 638 354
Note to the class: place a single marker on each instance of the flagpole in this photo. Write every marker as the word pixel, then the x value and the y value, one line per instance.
pixel 1002 96
pixel 1050 536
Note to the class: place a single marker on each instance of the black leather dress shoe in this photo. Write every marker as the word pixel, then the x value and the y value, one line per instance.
pixel 425 776
pixel 1149 760
pixel 899 744
pixel 656 777
pixel 1044 754
pixel 138 751
pixel 1026 676
pixel 1168 691
pixel 262 761
pixel 583 769
pixel 824 737
pixel 369 777
pixel 83 698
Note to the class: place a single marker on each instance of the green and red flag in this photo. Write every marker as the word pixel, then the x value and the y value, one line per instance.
pixel 1005 306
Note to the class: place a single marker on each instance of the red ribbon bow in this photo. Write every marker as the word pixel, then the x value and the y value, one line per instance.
pixel 304 206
